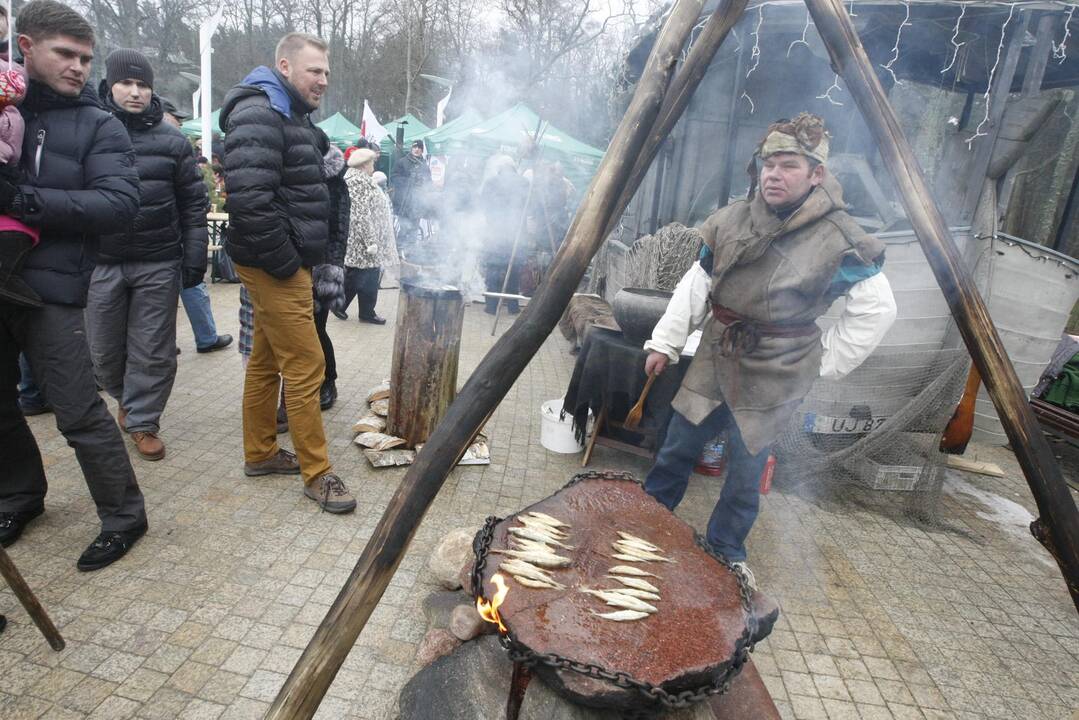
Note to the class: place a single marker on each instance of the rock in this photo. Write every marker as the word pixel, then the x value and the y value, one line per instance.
pixel 438 605
pixel 435 644
pixel 466 623
pixel 453 552
pixel 472 684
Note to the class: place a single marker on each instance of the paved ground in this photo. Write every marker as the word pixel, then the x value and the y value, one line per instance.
pixel 882 617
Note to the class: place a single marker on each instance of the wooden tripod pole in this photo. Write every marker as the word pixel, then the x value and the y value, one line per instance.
pixel 315 670
pixel 1058 526
pixel 29 601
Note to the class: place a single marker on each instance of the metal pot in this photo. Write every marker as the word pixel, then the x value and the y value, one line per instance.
pixel 637 311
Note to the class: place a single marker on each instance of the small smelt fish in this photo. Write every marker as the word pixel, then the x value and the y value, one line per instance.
pixel 547 519
pixel 635 583
pixel 634 592
pixel 642 554
pixel 617 599
pixel 538 536
pixel 541 526
pixel 523 569
pixel 621 615
pixel 538 584
pixel 625 558
pixel 642 544
pixel 547 560
pixel 627 570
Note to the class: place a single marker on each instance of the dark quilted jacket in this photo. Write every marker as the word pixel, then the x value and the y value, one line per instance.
pixel 278 202
pixel 80 182
pixel 171 223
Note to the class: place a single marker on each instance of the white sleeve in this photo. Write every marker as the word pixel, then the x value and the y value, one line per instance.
pixel 870 311
pixel 686 310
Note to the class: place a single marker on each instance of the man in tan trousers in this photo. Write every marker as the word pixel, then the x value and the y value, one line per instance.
pixel 278 205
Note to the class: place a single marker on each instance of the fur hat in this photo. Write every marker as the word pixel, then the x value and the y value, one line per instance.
pixel 804 135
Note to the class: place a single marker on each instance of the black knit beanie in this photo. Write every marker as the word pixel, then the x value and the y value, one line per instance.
pixel 126 63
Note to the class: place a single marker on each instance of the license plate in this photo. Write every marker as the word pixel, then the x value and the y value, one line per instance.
pixel 826 425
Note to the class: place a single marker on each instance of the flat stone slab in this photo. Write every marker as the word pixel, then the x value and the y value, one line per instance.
pixel 684 646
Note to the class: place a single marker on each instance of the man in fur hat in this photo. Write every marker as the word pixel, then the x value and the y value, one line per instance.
pixel 772 264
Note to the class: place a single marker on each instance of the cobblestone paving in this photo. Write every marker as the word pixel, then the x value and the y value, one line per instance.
pixel 882 617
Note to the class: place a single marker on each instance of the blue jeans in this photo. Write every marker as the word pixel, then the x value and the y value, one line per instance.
pixel 197 306
pixel 29 393
pixel 739 501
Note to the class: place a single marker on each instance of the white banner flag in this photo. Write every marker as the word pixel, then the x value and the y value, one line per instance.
pixel 440 109
pixel 370 126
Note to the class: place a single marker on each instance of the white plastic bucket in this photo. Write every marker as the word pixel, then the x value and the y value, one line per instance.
pixel 556 432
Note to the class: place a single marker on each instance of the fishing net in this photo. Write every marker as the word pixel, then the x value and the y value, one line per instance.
pixel 659 261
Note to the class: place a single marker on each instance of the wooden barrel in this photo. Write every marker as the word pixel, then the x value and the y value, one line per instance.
pixel 426 348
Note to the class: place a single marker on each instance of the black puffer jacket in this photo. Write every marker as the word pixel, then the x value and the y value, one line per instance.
pixel 80 182
pixel 171 223
pixel 278 202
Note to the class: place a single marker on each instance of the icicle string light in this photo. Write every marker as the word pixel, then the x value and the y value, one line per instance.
pixel 989 86
pixel 956 45
pixel 805 31
pixel 1060 52
pixel 895 50
pixel 828 93
pixel 752 105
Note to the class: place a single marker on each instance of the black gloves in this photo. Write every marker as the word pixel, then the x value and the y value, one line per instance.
pixel 190 277
pixel 8 189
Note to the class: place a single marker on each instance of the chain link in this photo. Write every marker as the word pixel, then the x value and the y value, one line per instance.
pixel 520 653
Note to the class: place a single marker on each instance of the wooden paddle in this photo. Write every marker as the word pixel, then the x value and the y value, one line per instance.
pixel 635 415
pixel 961 426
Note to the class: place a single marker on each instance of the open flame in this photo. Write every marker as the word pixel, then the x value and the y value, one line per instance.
pixel 489 610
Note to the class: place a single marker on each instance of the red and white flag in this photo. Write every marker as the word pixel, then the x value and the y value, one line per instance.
pixel 370 127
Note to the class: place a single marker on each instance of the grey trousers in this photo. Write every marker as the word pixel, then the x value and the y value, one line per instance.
pixel 131 318
pixel 54 340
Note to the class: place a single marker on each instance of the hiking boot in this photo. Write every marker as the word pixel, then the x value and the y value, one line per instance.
pixel 283 463
pixel 327 395
pixel 121 418
pixel 330 493
pixel 13 523
pixel 742 569
pixel 109 547
pixel 222 341
pixel 148 445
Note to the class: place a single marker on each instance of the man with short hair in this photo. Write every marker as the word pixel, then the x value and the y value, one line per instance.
pixel 196 299
pixel 79 182
pixel 771 265
pixel 410 182
pixel 131 308
pixel 278 207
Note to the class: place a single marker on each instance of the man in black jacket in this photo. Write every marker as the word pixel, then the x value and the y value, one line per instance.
pixel 278 207
pixel 131 308
pixel 79 182
pixel 411 185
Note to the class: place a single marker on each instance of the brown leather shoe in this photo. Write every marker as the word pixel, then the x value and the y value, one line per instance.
pixel 148 444
pixel 121 418
pixel 283 463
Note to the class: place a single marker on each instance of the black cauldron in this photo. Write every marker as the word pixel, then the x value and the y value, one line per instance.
pixel 637 311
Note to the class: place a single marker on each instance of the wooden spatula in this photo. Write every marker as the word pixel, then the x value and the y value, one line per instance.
pixel 634 417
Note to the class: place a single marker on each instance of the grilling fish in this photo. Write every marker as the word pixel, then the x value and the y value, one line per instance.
pixel 546 529
pixel 519 568
pixel 548 520
pixel 628 558
pixel 617 599
pixel 635 583
pixel 628 570
pixel 540 559
pixel 538 584
pixel 642 544
pixel 634 592
pixel 638 553
pixel 621 615
pixel 538 536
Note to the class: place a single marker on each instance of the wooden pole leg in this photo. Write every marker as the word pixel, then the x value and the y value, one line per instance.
pixel 601 419
pixel 29 601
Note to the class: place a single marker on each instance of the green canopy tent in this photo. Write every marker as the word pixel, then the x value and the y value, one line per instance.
pixel 439 136
pixel 340 130
pixel 505 132
pixel 414 129
pixel 193 127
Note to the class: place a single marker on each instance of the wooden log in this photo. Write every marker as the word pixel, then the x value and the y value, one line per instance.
pixel 1055 504
pixel 426 348
pixel 30 602
pixel 318 665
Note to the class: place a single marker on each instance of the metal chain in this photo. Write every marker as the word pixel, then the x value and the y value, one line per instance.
pixel 518 652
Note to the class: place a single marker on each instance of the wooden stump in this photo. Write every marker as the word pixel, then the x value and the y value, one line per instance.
pixel 426 348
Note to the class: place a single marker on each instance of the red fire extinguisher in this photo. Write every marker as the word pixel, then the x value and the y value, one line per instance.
pixel 768 474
